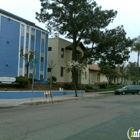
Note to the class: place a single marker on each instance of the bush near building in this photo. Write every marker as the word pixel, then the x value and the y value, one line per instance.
pixel 22 81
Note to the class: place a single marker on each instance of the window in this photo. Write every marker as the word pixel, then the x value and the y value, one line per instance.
pixel 49 69
pixel 27 35
pixel 61 71
pixel 31 75
pixel 62 52
pixel 21 51
pixel 27 31
pixel 43 38
pixel 43 41
pixel 78 54
pixel 22 30
pixel 98 77
pixel 42 59
pixel 41 76
pixel 32 34
pixel 32 37
pixel 49 48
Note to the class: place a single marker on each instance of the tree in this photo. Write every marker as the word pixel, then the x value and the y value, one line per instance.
pixel 28 57
pixel 110 72
pixel 73 18
pixel 132 71
pixel 112 47
pixel 76 65
pixel 124 75
pixel 136 48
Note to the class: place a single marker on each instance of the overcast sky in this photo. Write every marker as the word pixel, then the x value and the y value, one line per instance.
pixel 128 14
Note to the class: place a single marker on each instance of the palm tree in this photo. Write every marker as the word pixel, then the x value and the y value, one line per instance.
pixel 136 48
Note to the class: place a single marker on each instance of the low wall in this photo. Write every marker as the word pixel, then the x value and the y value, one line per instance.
pixel 29 94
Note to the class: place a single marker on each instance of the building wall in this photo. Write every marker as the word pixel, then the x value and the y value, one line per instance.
pixel 84 78
pixel 93 76
pixel 16 33
pixel 9 46
pixel 103 78
pixel 55 60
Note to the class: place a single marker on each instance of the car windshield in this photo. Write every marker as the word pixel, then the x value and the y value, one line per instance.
pixel 125 87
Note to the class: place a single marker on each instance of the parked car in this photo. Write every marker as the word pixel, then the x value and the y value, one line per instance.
pixel 134 89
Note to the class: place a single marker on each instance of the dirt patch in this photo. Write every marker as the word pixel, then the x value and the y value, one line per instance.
pixel 10 87
pixel 56 86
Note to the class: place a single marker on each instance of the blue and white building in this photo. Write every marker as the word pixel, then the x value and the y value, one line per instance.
pixel 17 33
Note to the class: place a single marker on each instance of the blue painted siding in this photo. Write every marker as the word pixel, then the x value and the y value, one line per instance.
pixel 16 32
pixel 37 48
pixel 21 62
pixel 9 47
pixel 42 64
pixel 28 94
pixel 42 47
pixel 46 58
pixel 22 41
pixel 32 44
pixel 27 42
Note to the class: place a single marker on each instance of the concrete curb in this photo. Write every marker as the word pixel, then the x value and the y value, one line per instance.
pixel 64 100
pixel 60 99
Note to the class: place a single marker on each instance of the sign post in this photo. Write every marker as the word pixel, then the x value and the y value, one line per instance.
pixel 34 63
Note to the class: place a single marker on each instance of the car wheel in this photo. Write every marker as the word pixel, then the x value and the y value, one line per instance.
pixel 133 93
pixel 138 93
pixel 123 93
pixel 117 93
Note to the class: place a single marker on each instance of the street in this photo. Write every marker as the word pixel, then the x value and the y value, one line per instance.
pixel 104 117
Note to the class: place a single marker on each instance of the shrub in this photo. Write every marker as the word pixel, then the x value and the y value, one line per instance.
pixel 30 80
pixel 95 87
pixel 68 86
pixel 102 85
pixel 22 81
pixel 81 86
pixel 53 78
pixel 89 86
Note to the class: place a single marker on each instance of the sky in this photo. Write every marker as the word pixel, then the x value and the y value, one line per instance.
pixel 128 14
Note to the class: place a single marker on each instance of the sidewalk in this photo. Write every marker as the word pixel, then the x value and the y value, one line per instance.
pixel 42 100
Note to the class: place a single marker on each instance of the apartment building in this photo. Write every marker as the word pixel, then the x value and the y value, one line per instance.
pixel 17 33
pixel 59 53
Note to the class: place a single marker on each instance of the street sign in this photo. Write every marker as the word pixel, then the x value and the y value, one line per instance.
pixel 34 61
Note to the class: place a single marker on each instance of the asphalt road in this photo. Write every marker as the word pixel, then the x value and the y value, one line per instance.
pixel 101 118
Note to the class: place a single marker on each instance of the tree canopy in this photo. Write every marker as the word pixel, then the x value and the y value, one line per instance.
pixel 109 72
pixel 113 47
pixel 132 70
pixel 84 20
pixel 136 48
pixel 74 18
